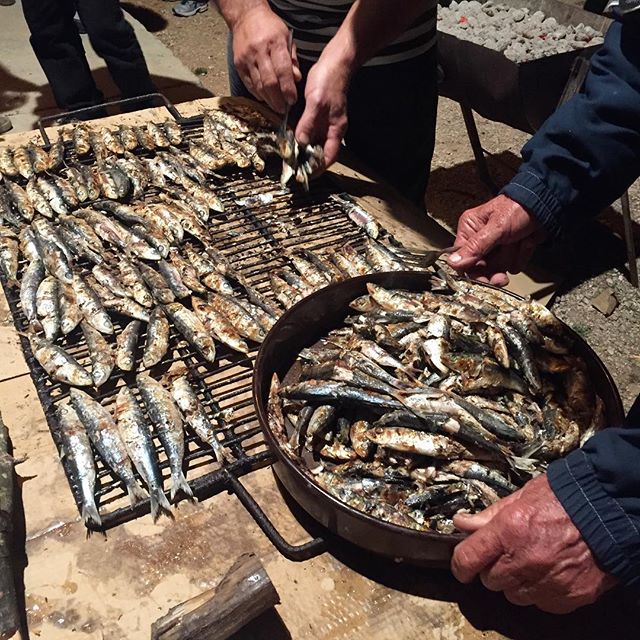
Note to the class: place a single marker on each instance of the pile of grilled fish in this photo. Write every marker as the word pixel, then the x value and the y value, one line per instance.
pixel 426 404
pixel 125 440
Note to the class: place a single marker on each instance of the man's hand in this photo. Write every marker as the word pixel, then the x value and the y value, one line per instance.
pixel 324 120
pixel 494 238
pixel 527 546
pixel 261 56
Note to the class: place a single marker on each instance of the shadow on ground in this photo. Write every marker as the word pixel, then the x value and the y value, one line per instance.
pixel 149 19
pixel 13 91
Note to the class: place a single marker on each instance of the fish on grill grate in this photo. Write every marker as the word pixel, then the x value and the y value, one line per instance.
pixel 104 435
pixel 167 422
pixel 137 439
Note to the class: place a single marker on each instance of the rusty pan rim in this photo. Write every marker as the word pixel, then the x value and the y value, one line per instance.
pixel 309 483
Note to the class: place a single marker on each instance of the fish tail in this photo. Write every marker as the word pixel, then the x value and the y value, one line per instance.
pixel 179 482
pixel 136 492
pixel 90 514
pixel 222 454
pixel 159 503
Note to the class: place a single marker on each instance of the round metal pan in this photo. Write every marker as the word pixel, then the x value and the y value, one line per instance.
pixel 303 325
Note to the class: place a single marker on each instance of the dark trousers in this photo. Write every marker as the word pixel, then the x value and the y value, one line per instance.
pixel 392 118
pixel 58 47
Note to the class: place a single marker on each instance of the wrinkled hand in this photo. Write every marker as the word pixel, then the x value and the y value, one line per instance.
pixel 527 546
pixel 494 238
pixel 324 120
pixel 261 56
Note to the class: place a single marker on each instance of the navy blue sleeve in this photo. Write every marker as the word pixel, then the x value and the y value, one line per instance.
pixel 588 152
pixel 599 487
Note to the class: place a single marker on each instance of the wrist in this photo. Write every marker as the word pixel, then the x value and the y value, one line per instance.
pixel 340 62
pixel 234 12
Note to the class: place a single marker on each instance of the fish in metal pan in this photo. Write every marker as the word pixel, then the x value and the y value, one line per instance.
pixel 145 140
pixel 172 131
pixel 76 451
pixel 186 270
pixel 157 341
pixel 111 140
pixel 138 442
pixel 108 279
pixel 167 422
pixel 196 417
pixel 105 437
pixel 242 321
pixel 77 180
pixel 127 345
pixel 456 395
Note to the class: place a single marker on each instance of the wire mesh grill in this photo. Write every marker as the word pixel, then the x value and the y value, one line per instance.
pixel 254 236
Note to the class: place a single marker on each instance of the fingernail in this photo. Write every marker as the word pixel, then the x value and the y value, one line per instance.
pixel 455 257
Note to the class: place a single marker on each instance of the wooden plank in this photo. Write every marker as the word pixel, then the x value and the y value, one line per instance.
pixel 9 616
pixel 244 593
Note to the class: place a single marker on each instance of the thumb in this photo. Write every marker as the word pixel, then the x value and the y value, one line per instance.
pixel 470 522
pixel 474 248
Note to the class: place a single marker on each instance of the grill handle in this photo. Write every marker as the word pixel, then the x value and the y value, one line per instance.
pixel 292 552
pixel 157 97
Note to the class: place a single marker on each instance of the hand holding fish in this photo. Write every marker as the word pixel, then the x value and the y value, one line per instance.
pixel 494 238
pixel 526 546
pixel 324 121
pixel 261 55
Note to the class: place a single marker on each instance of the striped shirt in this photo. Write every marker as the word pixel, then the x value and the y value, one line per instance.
pixel 315 22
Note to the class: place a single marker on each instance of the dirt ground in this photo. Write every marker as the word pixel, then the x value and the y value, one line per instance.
pixel 591 260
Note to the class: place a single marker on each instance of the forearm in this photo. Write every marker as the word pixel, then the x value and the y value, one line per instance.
pixel 368 27
pixel 234 10
pixel 588 152
pixel 599 487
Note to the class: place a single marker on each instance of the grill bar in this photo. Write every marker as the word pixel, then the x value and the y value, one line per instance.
pixel 255 237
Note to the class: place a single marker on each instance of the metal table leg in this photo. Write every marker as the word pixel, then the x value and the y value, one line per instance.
pixel 628 238
pixel 478 152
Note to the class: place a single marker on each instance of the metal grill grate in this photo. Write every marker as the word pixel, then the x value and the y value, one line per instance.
pixel 254 239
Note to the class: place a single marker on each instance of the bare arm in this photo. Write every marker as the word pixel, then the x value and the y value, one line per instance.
pixel 260 51
pixel 369 26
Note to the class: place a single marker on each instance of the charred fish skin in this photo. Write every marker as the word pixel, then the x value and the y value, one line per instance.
pixel 104 435
pixel 76 449
pixel 100 352
pixel 48 307
pixel 31 279
pixel 195 416
pixel 91 307
pixel 126 346
pixel 139 445
pixel 168 424
pixel 157 341
pixel 190 326
pixel 58 363
pixel 218 326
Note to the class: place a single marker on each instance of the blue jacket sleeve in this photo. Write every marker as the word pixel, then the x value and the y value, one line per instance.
pixel 599 487
pixel 588 152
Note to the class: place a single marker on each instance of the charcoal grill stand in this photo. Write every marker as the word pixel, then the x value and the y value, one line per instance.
pixel 574 85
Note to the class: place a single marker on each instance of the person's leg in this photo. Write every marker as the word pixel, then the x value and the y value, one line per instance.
pixel 115 42
pixel 392 115
pixel 59 50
